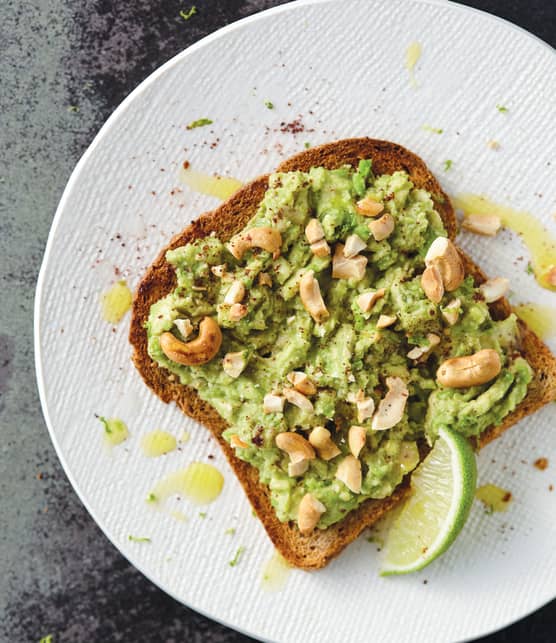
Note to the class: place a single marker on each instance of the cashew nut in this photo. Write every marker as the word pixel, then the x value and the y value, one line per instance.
pixel 385 320
pixel 451 311
pixel 234 364
pixel 297 468
pixel 237 442
pixel 354 245
pixel 444 255
pixel 184 326
pixel 323 443
pixel 301 382
pixel 299 400
pixel 365 408
pixel 235 293
pixel 314 231
pixel 198 351
pixel 267 238
pixel 309 291
pixel 347 268
pixel 367 300
pixel 494 289
pixel 482 224
pixel 472 370
pixel 320 248
pixel 391 407
pixel 431 283
pixel 357 436
pixel 295 445
pixel 369 207
pixel 273 403
pixel 349 472
pixel 237 312
pixel 382 228
pixel 419 351
pixel 309 513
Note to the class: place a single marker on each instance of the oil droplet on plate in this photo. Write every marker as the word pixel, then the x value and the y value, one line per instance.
pixel 115 431
pixel 199 482
pixel 275 573
pixel 115 302
pixel 540 319
pixel 493 497
pixel 222 187
pixel 540 243
pixel 157 443
pixel 412 56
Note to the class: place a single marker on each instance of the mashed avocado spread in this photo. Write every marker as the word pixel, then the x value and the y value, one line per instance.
pixel 328 337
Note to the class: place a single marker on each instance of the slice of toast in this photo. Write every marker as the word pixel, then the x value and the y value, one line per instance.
pixel 317 549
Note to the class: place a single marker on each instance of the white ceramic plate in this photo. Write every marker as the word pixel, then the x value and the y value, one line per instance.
pixel 339 66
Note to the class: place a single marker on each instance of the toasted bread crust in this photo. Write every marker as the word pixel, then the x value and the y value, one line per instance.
pixel 317 549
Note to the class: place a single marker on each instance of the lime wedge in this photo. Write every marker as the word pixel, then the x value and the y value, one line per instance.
pixel 443 488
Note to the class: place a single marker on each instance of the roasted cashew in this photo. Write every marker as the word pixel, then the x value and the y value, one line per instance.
pixel 391 407
pixel 314 231
pixel 482 224
pixel 297 399
pixel 267 238
pixel 494 289
pixel 198 351
pixel 367 300
pixel 234 364
pixel 349 472
pixel 309 292
pixel 357 436
pixel 382 228
pixel 309 513
pixel 347 268
pixel 444 255
pixel 431 283
pixel 323 443
pixel 472 370
pixel 354 245
pixel 369 207
pixel 296 446
pixel 301 382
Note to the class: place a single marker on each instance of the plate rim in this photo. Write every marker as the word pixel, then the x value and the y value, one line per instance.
pixel 69 186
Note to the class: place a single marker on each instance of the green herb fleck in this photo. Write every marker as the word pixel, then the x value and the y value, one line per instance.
pixel 230 532
pixel 200 122
pixel 138 539
pixel 502 109
pixel 448 165
pixel 151 497
pixel 187 14
pixel 254 513
pixel 73 109
pixel 529 269
pixel 306 145
pixel 269 104
pixel 47 639
pixel 236 558
pixel 202 514
pixel 433 130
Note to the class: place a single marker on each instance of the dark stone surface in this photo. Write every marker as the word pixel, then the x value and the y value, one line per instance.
pixel 59 573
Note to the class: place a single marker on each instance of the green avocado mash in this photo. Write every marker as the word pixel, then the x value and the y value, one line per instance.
pixel 346 356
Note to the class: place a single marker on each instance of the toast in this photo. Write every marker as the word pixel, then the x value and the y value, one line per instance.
pixel 317 549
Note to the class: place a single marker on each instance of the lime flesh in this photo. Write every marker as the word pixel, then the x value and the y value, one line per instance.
pixel 442 492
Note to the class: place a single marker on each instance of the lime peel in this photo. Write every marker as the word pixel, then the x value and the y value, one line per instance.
pixel 443 489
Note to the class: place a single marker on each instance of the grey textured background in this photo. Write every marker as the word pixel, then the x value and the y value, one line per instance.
pixel 66 64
